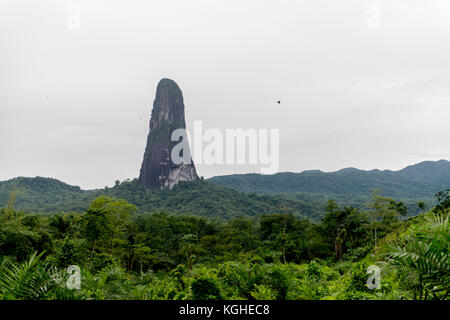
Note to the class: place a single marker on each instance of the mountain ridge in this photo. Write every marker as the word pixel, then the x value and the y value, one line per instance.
pixel 199 197
pixel 226 197
pixel 423 178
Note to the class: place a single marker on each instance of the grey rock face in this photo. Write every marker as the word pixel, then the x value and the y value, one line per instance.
pixel 158 170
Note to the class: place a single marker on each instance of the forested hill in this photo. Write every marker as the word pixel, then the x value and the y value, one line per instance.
pixel 227 197
pixel 420 180
pixel 350 186
pixel 43 195
pixel 435 173
pixel 201 198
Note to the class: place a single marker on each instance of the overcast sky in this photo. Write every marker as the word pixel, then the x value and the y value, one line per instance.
pixel 362 84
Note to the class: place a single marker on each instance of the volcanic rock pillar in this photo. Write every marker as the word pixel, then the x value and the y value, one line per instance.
pixel 158 169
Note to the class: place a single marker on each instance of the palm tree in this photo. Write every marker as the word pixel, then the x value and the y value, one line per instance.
pixel 61 224
pixel 31 280
pixel 422 258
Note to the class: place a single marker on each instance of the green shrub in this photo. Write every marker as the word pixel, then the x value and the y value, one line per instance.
pixel 205 289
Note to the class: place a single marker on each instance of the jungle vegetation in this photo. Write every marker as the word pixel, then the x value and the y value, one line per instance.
pixel 125 254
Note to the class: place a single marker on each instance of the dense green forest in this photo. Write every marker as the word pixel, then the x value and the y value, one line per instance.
pixel 419 180
pixel 350 186
pixel 200 198
pixel 302 194
pixel 125 254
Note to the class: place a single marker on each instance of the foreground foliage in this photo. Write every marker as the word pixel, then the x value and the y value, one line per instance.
pixel 125 255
